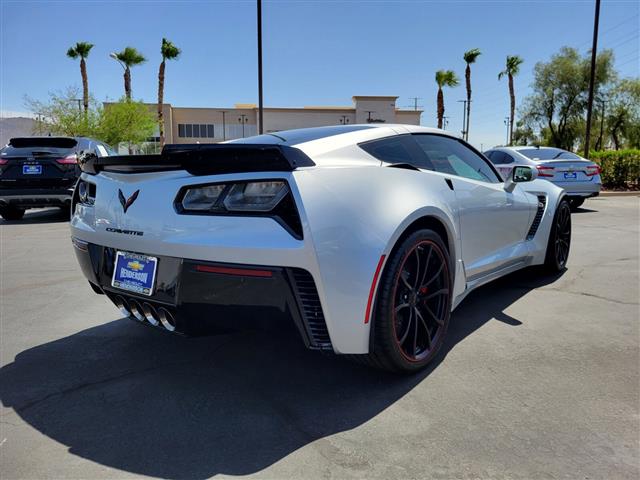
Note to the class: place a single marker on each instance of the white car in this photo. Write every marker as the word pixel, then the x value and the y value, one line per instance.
pixel 366 236
pixel 579 177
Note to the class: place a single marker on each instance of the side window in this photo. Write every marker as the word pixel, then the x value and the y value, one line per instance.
pixel 450 156
pixel 501 158
pixel 508 158
pixel 101 151
pixel 398 149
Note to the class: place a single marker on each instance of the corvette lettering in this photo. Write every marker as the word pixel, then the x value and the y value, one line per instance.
pixel 125 232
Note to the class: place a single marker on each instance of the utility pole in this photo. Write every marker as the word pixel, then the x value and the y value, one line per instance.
pixel 600 138
pixel 464 118
pixel 594 50
pixel 415 102
pixel 260 118
pixel 224 125
pixel 507 122
pixel 242 120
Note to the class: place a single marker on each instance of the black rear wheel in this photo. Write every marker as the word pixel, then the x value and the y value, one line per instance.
pixel 413 304
pixel 11 213
pixel 559 242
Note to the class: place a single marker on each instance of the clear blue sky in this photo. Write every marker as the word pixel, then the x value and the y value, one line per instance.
pixel 315 53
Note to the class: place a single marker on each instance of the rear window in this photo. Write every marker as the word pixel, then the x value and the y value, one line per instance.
pixel 10 151
pixel 548 154
pixel 33 146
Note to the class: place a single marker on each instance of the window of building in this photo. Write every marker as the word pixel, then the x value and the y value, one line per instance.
pixel 197 130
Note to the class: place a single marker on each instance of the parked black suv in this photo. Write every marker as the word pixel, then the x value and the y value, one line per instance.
pixel 40 172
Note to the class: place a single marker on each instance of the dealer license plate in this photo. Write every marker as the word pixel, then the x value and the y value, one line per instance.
pixel 32 169
pixel 134 272
pixel 570 175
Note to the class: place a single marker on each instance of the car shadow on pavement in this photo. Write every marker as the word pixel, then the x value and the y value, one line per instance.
pixel 145 402
pixel 49 215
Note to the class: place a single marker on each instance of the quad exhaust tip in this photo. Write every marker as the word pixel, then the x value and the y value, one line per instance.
pixel 136 311
pixel 122 305
pixel 150 314
pixel 145 311
pixel 167 319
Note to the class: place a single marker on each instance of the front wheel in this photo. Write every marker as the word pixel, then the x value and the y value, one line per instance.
pixel 11 213
pixel 413 304
pixel 559 239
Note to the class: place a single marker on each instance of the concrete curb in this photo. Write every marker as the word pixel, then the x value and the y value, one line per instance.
pixel 635 193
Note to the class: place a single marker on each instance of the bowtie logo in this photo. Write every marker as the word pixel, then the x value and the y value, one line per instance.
pixel 127 202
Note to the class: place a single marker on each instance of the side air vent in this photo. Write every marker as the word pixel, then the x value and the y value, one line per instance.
pixel 310 309
pixel 542 202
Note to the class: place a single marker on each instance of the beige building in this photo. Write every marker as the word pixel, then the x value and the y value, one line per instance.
pixel 204 125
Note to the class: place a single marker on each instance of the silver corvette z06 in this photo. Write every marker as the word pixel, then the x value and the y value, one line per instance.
pixel 366 236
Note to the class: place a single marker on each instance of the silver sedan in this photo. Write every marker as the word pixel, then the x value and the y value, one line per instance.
pixel 579 177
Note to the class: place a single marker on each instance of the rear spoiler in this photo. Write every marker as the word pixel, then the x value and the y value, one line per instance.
pixel 54 142
pixel 199 159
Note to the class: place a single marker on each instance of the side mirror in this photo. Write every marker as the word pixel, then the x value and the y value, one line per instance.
pixel 520 174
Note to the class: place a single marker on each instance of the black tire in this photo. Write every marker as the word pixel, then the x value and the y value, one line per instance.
pixel 559 242
pixel 575 203
pixel 11 213
pixel 413 305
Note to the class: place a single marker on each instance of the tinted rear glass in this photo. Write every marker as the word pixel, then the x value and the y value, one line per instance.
pixel 10 151
pixel 548 154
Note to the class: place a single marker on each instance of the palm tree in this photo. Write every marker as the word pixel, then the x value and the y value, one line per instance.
pixel 169 52
pixel 512 69
pixel 469 58
pixel 129 57
pixel 82 49
pixel 444 78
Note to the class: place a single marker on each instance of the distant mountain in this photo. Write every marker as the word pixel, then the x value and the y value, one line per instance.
pixel 15 127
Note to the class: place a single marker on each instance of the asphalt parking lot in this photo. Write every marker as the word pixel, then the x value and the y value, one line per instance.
pixel 539 378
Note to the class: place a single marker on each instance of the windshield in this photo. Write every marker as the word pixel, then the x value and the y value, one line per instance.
pixel 548 154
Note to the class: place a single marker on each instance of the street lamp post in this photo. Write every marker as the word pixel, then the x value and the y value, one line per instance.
pixel 464 118
pixel 243 119
pixel 507 122
pixel 260 118
pixel 224 125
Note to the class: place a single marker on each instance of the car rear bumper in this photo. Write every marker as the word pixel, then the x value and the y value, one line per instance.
pixel 580 189
pixel 36 197
pixel 201 296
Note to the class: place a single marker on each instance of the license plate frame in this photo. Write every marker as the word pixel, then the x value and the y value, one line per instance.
pixel 32 169
pixel 570 175
pixel 130 273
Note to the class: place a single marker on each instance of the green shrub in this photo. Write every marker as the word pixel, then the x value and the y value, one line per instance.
pixel 620 168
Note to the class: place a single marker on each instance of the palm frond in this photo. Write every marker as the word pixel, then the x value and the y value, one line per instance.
pixel 168 50
pixel 470 56
pixel 130 57
pixel 447 78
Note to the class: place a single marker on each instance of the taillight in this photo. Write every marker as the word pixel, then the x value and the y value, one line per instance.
pixel 593 170
pixel 68 160
pixel 545 171
pixel 3 161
